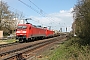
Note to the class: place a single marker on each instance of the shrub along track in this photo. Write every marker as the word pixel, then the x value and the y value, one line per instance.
pixel 21 51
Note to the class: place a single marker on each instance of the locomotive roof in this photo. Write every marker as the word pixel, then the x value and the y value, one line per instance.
pixel 24 24
pixel 38 26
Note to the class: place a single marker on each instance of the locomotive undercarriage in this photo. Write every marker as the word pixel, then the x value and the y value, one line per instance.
pixel 21 38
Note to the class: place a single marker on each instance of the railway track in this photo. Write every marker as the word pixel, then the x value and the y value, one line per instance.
pixel 20 53
pixel 10 44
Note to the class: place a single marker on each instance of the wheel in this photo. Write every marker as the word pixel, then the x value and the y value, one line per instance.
pixel 20 40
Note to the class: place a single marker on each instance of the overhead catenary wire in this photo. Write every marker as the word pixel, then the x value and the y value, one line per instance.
pixel 35 4
pixel 39 12
pixel 31 7
pixel 17 11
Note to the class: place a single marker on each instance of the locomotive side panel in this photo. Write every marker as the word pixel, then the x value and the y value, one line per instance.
pixel 29 32
pixel 49 33
pixel 37 32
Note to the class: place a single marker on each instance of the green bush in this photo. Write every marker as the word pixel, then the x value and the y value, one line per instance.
pixel 72 50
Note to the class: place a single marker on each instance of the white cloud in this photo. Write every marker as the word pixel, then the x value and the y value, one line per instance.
pixel 61 19
pixel 62 11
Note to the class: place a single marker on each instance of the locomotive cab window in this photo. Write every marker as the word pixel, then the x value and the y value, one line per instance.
pixel 22 27
pixel 19 27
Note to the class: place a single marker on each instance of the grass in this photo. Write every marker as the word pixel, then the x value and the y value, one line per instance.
pixel 71 50
pixel 8 41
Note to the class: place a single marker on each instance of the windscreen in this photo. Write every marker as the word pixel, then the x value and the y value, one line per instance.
pixel 22 27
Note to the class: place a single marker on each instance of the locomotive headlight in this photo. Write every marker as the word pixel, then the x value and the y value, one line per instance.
pixel 18 32
pixel 23 31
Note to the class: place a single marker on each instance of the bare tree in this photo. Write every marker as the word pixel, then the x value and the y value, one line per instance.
pixel 8 22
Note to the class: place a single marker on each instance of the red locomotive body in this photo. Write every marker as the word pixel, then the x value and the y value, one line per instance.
pixel 23 32
pixel 26 32
pixel 49 33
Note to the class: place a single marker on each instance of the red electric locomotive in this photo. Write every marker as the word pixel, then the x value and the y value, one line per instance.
pixel 25 32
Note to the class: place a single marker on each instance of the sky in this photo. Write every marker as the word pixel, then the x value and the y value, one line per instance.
pixel 54 13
